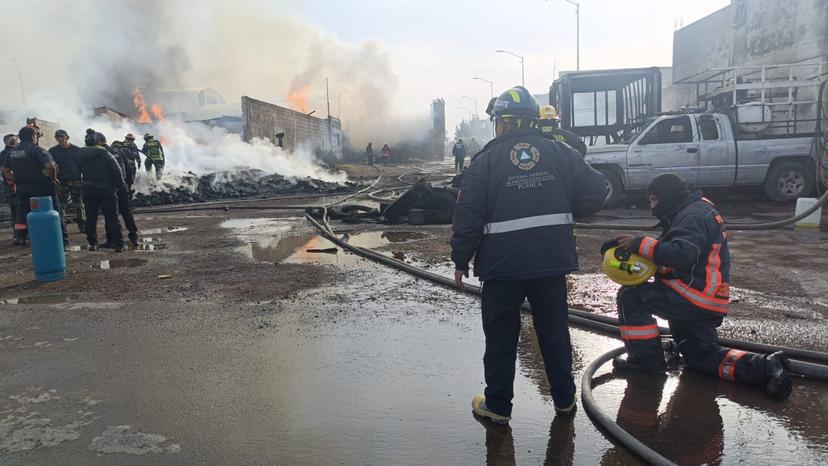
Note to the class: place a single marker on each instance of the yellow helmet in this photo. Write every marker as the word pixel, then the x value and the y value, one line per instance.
pixel 548 112
pixel 626 268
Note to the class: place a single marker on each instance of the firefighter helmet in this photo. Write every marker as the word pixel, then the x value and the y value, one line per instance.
pixel 147 137
pixel 549 112
pixel 517 102
pixel 130 137
pixel 626 268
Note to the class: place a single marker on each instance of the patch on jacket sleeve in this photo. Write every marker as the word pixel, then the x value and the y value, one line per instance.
pixel 525 156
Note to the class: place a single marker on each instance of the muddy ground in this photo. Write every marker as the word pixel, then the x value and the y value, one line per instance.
pixel 224 339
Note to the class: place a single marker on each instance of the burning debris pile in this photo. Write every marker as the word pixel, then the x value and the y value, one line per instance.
pixel 236 184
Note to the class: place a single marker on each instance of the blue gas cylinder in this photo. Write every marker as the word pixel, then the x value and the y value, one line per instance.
pixel 46 240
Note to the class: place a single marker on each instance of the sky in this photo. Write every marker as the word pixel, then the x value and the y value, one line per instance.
pixel 437 47
pixel 404 52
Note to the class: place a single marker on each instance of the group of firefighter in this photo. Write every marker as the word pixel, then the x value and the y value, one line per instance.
pixel 86 180
pixel 515 217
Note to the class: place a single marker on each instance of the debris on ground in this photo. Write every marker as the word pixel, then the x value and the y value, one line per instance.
pixel 423 204
pixel 236 184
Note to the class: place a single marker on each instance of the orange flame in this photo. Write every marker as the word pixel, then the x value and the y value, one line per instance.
pixel 157 112
pixel 298 99
pixel 140 105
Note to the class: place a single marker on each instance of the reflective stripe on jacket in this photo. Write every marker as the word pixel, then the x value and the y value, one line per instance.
pixel 517 205
pixel 153 150
pixel 693 255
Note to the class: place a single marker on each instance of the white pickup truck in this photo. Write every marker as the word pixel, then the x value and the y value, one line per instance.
pixel 703 150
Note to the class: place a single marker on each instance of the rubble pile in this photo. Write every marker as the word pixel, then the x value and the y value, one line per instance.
pixel 236 184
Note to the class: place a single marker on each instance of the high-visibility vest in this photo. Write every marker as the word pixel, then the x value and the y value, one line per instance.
pixel 153 150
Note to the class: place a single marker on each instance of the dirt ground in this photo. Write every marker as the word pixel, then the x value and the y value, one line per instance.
pixel 778 277
pixel 236 335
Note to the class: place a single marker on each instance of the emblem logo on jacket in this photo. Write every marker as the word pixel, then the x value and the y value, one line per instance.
pixel 525 156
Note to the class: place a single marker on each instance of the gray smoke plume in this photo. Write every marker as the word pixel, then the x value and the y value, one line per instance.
pixel 91 53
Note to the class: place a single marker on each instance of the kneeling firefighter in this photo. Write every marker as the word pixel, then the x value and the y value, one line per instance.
pixel 690 291
pixel 515 213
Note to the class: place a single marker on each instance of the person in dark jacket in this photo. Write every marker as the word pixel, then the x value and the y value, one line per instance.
pixel 133 160
pixel 65 155
pixel 549 126
pixel 34 173
pixel 102 179
pixel 369 152
pixel 9 192
pixel 691 291
pixel 124 196
pixel 514 215
pixel 459 153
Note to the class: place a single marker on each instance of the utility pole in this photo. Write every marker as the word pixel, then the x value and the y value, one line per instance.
pixel 475 104
pixel 20 80
pixel 491 86
pixel 577 34
pixel 522 74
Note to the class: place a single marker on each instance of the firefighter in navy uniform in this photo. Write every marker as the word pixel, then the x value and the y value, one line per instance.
pixel 549 126
pixel 154 153
pixel 33 172
pixel 102 179
pixel 119 151
pixel 691 291
pixel 133 159
pixel 65 155
pixel 515 214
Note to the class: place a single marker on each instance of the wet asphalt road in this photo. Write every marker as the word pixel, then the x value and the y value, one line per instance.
pixel 377 369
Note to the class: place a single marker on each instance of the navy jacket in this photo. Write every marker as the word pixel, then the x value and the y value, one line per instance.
pixel 99 169
pixel 692 255
pixel 67 162
pixel 517 205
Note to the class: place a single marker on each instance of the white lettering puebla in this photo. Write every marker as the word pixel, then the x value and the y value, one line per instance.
pixel 530 180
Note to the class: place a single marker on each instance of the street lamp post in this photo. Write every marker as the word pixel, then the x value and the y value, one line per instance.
pixel 475 104
pixel 19 79
pixel 577 34
pixel 522 74
pixel 491 86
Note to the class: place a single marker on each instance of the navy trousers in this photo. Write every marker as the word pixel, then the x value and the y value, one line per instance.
pixel 501 325
pixel 693 329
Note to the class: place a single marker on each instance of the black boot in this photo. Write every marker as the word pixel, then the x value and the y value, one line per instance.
pixel 777 376
pixel 133 239
pixel 654 364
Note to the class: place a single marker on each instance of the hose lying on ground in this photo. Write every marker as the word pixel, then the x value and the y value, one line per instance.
pixel 594 412
pixel 582 318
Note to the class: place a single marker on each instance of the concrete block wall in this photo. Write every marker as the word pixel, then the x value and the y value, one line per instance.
pixel 772 33
pixel 264 120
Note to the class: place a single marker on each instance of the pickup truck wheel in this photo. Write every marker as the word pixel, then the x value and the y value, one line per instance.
pixel 614 187
pixel 788 181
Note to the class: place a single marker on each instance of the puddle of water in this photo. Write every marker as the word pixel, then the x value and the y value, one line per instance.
pixel 728 423
pixel 158 231
pixel 298 250
pixel 375 239
pixel 119 263
pixel 44 299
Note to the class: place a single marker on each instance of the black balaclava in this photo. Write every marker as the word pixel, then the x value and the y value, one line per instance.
pixel 671 191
